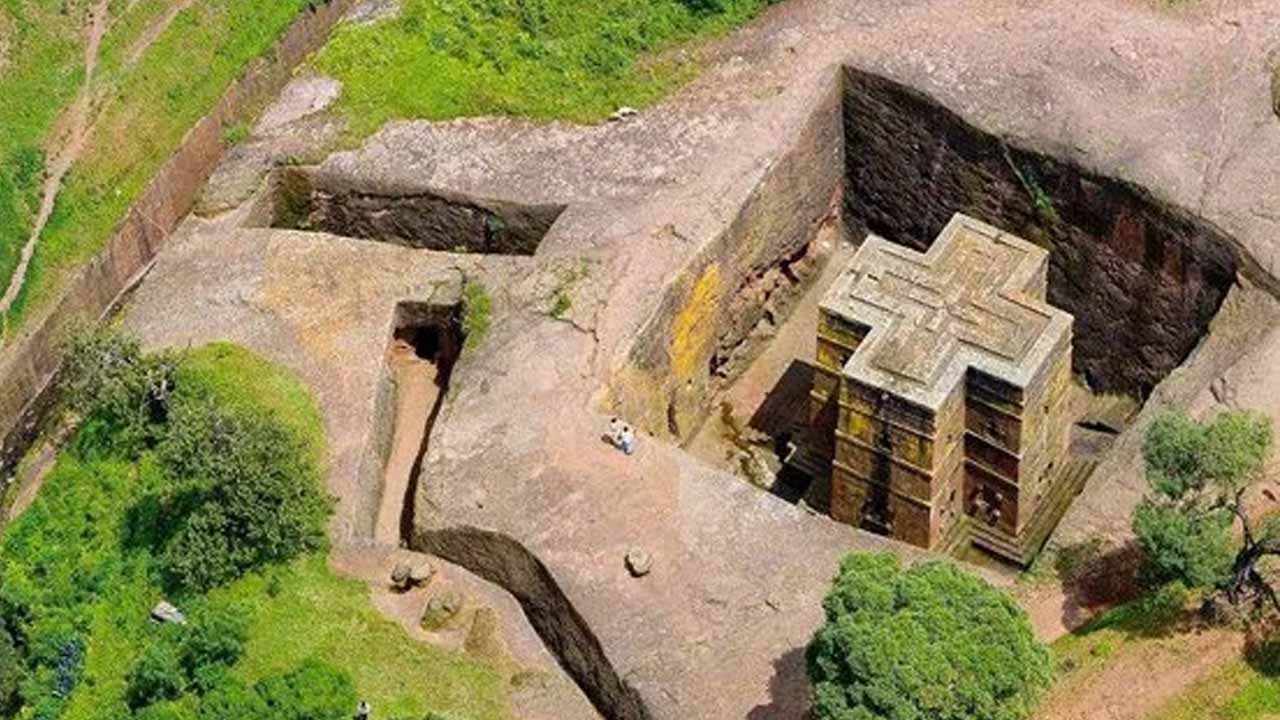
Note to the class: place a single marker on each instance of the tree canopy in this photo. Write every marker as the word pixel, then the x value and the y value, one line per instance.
pixel 925 642
pixel 1199 474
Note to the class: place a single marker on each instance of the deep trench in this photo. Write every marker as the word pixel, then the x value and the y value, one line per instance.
pixel 505 562
pixel 303 199
pixel 435 333
pixel 1142 277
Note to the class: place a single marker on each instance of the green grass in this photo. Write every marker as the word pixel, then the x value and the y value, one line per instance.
pixel 562 295
pixel 235 134
pixel 151 105
pixel 1236 691
pixel 1246 688
pixel 1121 630
pixel 477 309
pixel 317 614
pixel 71 559
pixel 43 71
pixel 542 59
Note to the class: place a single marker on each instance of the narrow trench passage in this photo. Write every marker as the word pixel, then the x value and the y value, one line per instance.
pixel 421 359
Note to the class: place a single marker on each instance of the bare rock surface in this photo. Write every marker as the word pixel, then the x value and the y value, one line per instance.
pixel 1174 101
pixel 374 10
pixel 302 97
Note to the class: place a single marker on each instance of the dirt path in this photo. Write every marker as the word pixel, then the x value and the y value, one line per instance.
pixel 416 394
pixel 77 121
pixel 1144 679
pixel 156 29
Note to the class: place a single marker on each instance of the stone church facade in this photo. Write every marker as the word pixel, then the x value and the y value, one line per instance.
pixel 939 399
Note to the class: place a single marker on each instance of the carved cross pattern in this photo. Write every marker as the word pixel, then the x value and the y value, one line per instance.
pixel 974 299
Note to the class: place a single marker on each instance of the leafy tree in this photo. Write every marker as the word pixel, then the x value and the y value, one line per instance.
pixel 157 675
pixel 120 393
pixel 313 691
pixel 259 492
pixel 924 642
pixel 1199 475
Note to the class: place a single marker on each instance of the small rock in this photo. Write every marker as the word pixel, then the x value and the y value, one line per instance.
pixel 1223 391
pixel 446 604
pixel 639 562
pixel 408 575
pixel 164 612
pixel 421 573
pixel 623 113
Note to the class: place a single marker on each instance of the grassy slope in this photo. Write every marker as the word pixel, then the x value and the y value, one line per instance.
pixel 544 59
pixel 43 72
pixel 151 105
pixel 1237 691
pixel 72 544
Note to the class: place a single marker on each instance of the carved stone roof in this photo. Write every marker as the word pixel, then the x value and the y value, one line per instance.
pixel 975 299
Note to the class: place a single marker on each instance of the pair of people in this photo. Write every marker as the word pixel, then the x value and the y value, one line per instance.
pixel 622 436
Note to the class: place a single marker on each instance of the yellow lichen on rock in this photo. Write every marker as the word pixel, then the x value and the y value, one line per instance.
pixel 692 331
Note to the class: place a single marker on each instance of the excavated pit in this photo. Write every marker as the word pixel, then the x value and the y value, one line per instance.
pixel 1143 278
pixel 426 342
pixel 505 562
pixel 304 198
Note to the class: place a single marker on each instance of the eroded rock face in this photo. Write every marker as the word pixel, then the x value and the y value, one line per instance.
pixel 420 219
pixel 1137 274
pixel 505 562
pixel 1275 86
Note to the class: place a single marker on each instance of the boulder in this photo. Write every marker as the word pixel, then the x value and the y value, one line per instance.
pixel 421 572
pixel 164 612
pixel 407 575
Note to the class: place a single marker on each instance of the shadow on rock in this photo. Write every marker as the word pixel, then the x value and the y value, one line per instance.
pixel 789 690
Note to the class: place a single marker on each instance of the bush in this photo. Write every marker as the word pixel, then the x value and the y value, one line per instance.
pixel 12 672
pixel 928 641
pixel 232 700
pixel 260 498
pixel 313 691
pixel 157 675
pixel 121 394
pixel 168 710
pixel 214 640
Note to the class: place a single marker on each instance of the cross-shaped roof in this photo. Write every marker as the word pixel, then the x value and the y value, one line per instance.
pixel 975 299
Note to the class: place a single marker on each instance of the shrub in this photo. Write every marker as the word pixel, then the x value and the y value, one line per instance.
pixel 169 710
pixel 214 640
pixel 157 675
pixel 928 641
pixel 120 393
pixel 313 691
pixel 260 493
pixel 232 700
pixel 12 673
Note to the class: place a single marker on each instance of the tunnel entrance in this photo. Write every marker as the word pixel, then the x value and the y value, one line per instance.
pixel 425 344
pixel 302 198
